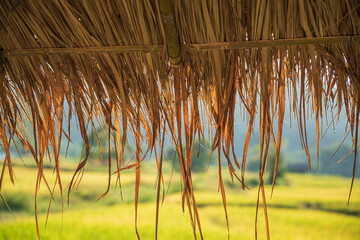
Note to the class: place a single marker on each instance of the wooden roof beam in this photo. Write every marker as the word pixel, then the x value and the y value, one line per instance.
pixel 171 34
pixel 189 47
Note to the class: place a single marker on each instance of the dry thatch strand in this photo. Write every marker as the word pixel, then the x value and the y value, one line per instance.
pixel 252 50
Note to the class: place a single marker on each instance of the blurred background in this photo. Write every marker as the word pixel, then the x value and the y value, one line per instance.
pixel 304 205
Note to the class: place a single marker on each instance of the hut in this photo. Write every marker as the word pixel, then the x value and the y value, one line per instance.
pixel 163 65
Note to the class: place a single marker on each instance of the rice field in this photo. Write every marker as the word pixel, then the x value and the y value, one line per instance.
pixel 306 206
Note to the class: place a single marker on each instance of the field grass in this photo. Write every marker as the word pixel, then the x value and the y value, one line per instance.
pixel 302 207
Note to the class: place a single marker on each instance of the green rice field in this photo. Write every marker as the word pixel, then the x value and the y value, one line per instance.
pixel 303 206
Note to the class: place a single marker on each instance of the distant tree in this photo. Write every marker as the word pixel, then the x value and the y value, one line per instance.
pixel 101 136
pixel 16 148
pixel 253 164
pixel 281 169
pixel 198 164
pixel 15 145
pixel 328 164
pixel 252 161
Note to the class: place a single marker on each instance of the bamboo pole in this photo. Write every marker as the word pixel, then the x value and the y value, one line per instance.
pixel 271 43
pixel 171 34
pixel 185 47
pixel 83 50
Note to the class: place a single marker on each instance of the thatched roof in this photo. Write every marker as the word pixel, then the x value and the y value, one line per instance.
pixel 163 65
